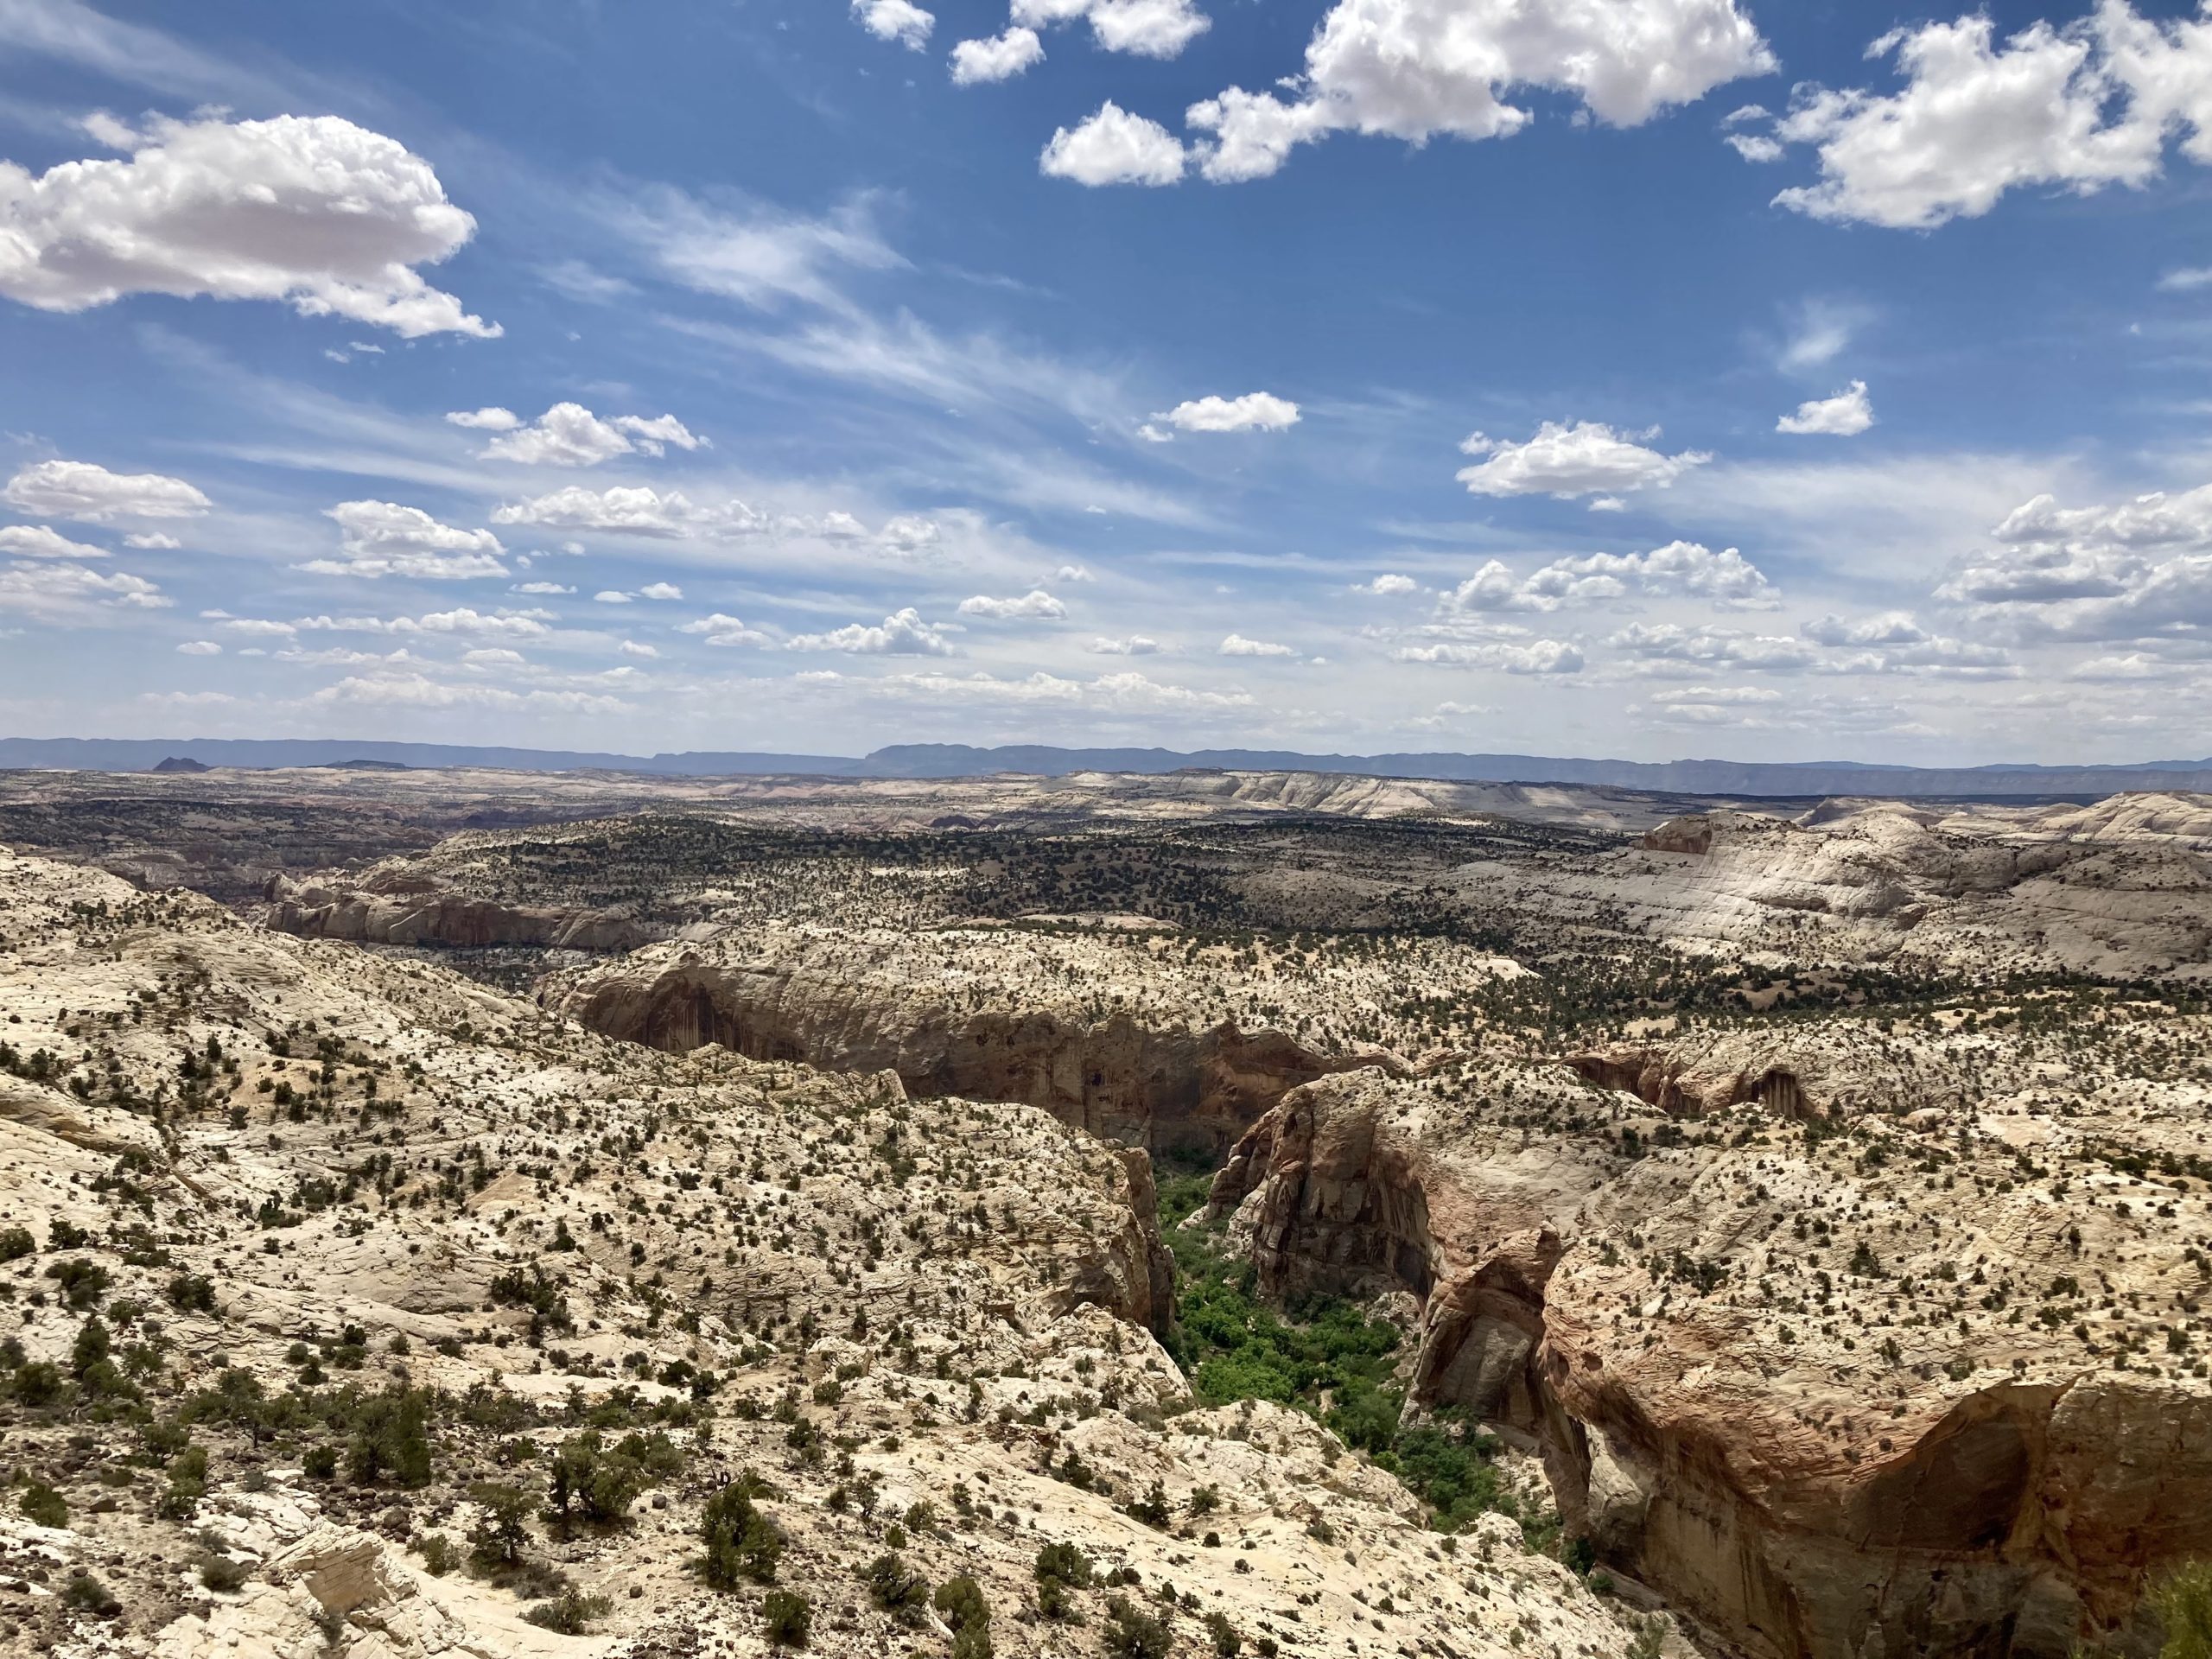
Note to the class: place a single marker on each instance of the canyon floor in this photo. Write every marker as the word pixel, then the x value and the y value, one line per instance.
pixel 490 1214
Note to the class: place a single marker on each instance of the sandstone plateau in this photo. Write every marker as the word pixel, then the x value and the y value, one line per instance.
pixel 1410 1218
pixel 914 1321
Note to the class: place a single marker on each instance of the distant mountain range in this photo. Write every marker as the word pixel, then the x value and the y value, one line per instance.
pixel 959 760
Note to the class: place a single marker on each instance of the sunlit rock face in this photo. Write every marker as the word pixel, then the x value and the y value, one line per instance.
pixel 853 1003
pixel 400 910
pixel 1797 1381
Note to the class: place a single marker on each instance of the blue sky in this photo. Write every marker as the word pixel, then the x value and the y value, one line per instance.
pixel 1648 378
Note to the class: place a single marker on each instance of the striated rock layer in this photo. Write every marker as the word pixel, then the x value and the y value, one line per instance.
pixel 392 909
pixel 1843 1441
pixel 1143 1076
pixel 2120 889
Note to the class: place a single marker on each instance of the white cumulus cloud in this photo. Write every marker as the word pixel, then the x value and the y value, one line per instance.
pixel 632 510
pixel 492 419
pixel 420 692
pixel 1506 656
pixel 461 621
pixel 568 435
pixel 1420 69
pixel 1237 645
pixel 1584 459
pixel 1678 570
pixel 255 627
pixel 909 536
pixel 312 211
pixel 1254 411
pixel 720 630
pixel 903 633
pixel 1114 147
pixel 2078 108
pixel 1670 642
pixel 1845 415
pixel 382 539
pixel 92 495
pixel 1036 603
pixel 69 595
pixel 2136 570
pixel 1127 692
pixel 900 21
pixel 43 542
pixel 1002 57
pixel 1148 28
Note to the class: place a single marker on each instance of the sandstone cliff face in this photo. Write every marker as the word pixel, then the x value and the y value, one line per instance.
pixel 1139 1285
pixel 1121 1078
pixel 1815 1454
pixel 397 910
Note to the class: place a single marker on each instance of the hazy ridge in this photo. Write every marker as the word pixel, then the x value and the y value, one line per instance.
pixel 959 760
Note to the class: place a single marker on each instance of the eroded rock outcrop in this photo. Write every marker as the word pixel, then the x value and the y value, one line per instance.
pixel 1788 1383
pixel 391 908
pixel 1712 1071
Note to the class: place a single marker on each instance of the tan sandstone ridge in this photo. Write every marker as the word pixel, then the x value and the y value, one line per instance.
pixel 912 1319
pixel 1932 1380
pixel 2121 889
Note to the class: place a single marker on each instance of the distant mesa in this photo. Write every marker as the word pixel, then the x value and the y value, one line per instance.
pixel 182 763
pixel 1806 781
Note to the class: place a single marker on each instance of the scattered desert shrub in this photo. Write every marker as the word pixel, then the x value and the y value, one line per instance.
pixel 438 1555
pixel 962 1605
pixel 85 1593
pixel 1061 1567
pixel 222 1574
pixel 742 1542
pixel 896 1588
pixel 789 1618
pixel 589 1479
pixel 1132 1633
pixel 571 1613
pixel 44 1505
pixel 497 1540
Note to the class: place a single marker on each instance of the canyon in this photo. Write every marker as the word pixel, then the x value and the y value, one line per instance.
pixel 1806 1210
